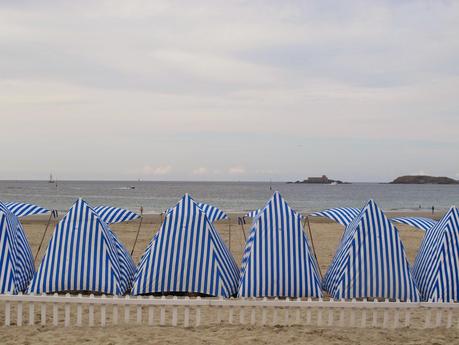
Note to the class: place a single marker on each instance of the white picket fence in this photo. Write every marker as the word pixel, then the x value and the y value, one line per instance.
pixel 78 310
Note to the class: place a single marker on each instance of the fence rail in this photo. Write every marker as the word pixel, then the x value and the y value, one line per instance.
pixel 77 310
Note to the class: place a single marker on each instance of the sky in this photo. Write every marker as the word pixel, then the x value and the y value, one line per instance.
pixel 228 90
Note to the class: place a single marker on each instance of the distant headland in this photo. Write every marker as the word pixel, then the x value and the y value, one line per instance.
pixel 320 180
pixel 424 179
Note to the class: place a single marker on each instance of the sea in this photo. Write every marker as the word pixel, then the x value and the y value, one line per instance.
pixel 157 196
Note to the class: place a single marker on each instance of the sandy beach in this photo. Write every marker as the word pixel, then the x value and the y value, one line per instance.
pixel 326 236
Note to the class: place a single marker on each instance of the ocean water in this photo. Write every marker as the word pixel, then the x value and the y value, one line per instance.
pixel 229 196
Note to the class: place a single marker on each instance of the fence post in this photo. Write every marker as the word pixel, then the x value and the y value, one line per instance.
pixel 298 312
pixel 286 313
pixel 43 312
pixel 67 311
pixel 397 314
pixel 263 313
pixel 91 311
pixel 319 313
pixel 331 312
pixel 19 312
pixel 115 311
pixel 31 313
pixel 139 311
pixel 241 313
pixel 162 312
pixel 55 312
pixel 407 315
pixel 79 312
pixel 386 314
pixel 103 316
pixel 198 313
pixel 7 313
pixel 341 315
pixel 308 312
pixel 127 311
pixel 174 312
pixel 151 313
pixel 186 316
pixel 363 321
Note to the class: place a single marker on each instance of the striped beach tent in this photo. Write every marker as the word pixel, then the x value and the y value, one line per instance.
pixel 253 213
pixel 16 260
pixel 112 215
pixel 187 255
pixel 83 255
pixel 370 261
pixel 277 260
pixel 21 209
pixel 436 267
pixel 213 213
pixel 417 222
pixel 341 215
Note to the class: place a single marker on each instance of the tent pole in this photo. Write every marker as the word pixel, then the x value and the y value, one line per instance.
pixel 42 238
pixel 312 244
pixel 243 231
pixel 138 231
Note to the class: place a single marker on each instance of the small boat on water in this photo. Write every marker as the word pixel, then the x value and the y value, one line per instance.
pixel 51 180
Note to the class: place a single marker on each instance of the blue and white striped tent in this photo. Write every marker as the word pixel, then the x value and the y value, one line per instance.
pixel 187 255
pixel 20 209
pixel 341 215
pixel 16 260
pixel 213 213
pixel 370 261
pixel 112 215
pixel 83 255
pixel 253 213
pixel 417 222
pixel 277 260
pixel 436 267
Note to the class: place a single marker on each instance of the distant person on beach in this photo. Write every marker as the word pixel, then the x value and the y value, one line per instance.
pixel 141 209
pixel 433 210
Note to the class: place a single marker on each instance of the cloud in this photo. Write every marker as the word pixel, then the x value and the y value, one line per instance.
pixel 200 171
pixel 236 170
pixel 156 170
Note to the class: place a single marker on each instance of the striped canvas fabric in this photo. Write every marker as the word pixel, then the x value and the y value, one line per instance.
pixel 187 255
pixel 112 215
pixel 253 213
pixel 16 260
pixel 21 209
pixel 436 267
pixel 341 215
pixel 417 222
pixel 370 261
pixel 277 260
pixel 83 255
pixel 213 213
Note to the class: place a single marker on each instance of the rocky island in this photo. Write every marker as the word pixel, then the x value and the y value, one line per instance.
pixel 424 179
pixel 319 180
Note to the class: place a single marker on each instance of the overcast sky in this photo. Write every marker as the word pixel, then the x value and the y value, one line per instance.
pixel 228 90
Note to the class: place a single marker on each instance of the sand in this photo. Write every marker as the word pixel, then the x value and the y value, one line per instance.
pixel 326 236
